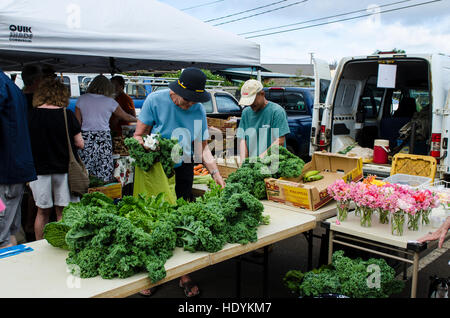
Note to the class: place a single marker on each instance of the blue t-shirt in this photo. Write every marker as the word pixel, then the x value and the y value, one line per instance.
pixel 171 121
pixel 16 159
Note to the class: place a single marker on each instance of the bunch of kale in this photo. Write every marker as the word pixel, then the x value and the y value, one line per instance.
pixel 167 150
pixel 278 163
pixel 350 277
pixel 220 217
pixel 115 240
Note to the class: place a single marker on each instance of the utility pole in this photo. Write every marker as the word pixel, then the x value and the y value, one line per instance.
pixel 311 59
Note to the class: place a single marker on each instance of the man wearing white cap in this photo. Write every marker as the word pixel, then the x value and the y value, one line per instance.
pixel 262 124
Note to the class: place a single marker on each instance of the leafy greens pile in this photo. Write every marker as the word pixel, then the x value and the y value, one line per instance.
pixel 346 276
pixel 141 233
pixel 278 163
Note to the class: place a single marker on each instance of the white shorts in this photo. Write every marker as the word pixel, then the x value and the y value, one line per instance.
pixel 52 190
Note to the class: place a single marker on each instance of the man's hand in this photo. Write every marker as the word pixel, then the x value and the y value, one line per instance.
pixel 140 139
pixel 219 180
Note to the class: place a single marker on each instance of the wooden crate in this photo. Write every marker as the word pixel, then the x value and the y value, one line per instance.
pixel 113 191
pixel 227 166
pixel 229 124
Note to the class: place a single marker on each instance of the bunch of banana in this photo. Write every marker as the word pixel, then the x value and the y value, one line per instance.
pixel 312 175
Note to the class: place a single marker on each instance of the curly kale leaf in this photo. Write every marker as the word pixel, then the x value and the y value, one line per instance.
pixel 99 200
pixel 250 179
pixel 244 214
pixel 55 232
pixel 321 283
pixel 289 165
pixel 293 279
pixel 278 162
pixel 199 226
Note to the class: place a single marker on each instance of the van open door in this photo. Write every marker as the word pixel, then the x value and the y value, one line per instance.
pixel 322 80
pixel 440 137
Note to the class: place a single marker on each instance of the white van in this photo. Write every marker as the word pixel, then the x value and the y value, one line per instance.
pixel 372 97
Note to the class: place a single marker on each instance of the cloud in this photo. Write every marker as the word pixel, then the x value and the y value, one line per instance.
pixel 421 29
pixel 334 41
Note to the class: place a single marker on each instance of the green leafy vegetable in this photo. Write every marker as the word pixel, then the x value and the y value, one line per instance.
pixel 278 163
pixel 111 246
pixel 145 159
pixel 55 232
pixel 345 276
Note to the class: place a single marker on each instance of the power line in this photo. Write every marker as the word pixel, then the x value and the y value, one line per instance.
pixel 318 19
pixel 346 19
pixel 201 5
pixel 242 12
pixel 264 12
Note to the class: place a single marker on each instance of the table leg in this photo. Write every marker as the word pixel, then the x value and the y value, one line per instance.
pixel 330 247
pixel 310 238
pixel 415 275
pixel 238 277
pixel 266 271
pixel 405 268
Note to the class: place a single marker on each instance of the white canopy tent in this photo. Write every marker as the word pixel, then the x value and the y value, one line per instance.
pixel 112 36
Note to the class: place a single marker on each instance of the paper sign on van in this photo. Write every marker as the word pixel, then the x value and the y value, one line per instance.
pixel 387 74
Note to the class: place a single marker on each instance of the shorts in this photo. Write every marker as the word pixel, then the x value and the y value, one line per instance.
pixel 10 218
pixel 52 190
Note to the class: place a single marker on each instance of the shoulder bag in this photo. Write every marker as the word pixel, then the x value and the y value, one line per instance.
pixel 77 174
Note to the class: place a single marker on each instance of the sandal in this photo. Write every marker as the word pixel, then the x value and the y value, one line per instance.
pixel 148 292
pixel 187 287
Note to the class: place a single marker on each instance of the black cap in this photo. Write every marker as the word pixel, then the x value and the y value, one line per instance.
pixel 191 85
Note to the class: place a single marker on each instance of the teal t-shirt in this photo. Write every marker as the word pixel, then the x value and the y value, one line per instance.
pixel 171 121
pixel 262 128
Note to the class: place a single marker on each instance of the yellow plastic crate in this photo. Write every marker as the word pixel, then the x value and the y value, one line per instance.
pixel 415 165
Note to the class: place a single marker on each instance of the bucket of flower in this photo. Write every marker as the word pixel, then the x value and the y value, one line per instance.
pixel 400 205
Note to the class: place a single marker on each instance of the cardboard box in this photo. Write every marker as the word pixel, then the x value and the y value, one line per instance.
pixel 314 195
pixel 113 190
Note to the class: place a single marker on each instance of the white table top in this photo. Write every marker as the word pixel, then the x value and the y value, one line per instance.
pixel 325 212
pixel 378 232
pixel 43 272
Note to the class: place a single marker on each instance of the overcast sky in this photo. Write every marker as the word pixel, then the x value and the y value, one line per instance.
pixel 420 29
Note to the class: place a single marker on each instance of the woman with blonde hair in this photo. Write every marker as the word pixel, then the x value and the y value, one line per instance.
pixel 93 110
pixel 50 150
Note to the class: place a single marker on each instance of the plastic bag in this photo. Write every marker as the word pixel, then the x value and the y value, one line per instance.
pixel 153 182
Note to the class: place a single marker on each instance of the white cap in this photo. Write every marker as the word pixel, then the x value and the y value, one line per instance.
pixel 249 91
